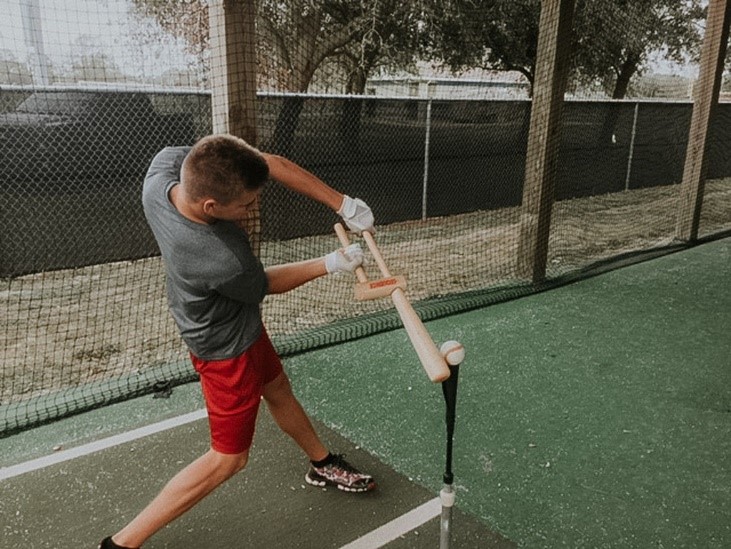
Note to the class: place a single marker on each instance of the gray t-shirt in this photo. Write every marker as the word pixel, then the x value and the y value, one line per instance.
pixel 214 282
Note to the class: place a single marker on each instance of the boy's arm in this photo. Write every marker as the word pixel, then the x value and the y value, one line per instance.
pixel 286 277
pixel 298 179
pixel 356 213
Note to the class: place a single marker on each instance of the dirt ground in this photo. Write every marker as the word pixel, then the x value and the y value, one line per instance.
pixel 68 327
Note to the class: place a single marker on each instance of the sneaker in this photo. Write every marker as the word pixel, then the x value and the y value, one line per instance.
pixel 342 474
pixel 107 543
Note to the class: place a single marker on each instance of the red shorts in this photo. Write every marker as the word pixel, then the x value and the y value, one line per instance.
pixel 232 389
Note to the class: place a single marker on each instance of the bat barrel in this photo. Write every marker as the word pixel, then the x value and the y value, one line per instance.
pixel 430 357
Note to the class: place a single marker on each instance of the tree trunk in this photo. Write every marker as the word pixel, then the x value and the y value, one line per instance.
pixel 351 111
pixel 626 72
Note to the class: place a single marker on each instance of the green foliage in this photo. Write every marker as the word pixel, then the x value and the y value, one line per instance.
pixel 388 39
pixel 297 36
pixel 612 40
pixel 495 34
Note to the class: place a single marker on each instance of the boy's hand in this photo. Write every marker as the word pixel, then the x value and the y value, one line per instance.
pixel 357 215
pixel 341 261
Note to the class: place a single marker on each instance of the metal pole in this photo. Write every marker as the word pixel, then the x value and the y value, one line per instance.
pixel 445 530
pixel 447 495
pixel 426 160
pixel 631 147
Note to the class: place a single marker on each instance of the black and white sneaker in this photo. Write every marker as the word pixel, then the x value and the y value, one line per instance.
pixel 342 474
pixel 107 543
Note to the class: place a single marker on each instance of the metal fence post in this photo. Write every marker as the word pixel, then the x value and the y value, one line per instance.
pixel 631 153
pixel 427 139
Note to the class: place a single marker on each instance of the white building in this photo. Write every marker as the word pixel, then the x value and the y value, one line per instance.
pixel 435 83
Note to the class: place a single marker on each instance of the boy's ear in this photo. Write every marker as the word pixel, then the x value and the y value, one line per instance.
pixel 209 205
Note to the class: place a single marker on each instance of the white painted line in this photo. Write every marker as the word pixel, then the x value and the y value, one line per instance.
pixel 398 526
pixel 103 444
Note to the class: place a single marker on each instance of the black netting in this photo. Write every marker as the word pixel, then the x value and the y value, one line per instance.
pixel 424 110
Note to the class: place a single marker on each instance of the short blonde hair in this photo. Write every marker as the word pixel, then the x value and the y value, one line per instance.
pixel 221 167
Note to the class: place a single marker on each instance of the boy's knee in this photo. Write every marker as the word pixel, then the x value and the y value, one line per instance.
pixel 278 389
pixel 227 465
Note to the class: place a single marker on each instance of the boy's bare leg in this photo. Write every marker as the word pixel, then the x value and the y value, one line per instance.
pixel 326 468
pixel 291 417
pixel 182 492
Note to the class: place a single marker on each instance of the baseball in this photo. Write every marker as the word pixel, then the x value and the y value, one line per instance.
pixel 453 352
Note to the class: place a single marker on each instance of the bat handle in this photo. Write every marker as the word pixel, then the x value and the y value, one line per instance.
pixel 376 253
pixel 360 273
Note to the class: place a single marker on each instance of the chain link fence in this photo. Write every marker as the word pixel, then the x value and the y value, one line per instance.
pixel 440 156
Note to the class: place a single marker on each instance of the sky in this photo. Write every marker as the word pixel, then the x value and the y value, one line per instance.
pixel 72 28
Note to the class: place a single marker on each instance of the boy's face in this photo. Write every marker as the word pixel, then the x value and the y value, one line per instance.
pixel 234 210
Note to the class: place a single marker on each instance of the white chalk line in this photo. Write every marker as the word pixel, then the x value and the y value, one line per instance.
pixel 96 446
pixel 398 526
pixel 372 540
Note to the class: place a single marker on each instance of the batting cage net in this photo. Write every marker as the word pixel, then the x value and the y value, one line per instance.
pixel 504 147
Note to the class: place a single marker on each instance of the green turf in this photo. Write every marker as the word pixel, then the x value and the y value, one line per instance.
pixel 594 415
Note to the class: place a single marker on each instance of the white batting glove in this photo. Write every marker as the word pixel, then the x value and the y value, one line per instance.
pixel 342 261
pixel 357 215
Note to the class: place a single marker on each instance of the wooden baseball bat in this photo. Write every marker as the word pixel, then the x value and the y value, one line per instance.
pixel 369 289
pixel 429 355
